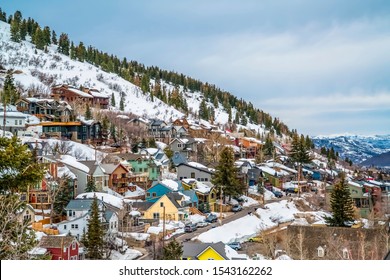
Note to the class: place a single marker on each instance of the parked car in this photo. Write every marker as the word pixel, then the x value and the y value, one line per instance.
pixel 278 194
pixel 236 208
pixel 258 239
pixel 190 228
pixel 291 190
pixel 235 245
pixel 202 224
pixel 211 218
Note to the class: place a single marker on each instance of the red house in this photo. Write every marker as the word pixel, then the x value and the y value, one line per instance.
pixel 61 247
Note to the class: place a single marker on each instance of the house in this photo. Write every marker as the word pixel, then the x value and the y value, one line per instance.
pixel 99 100
pixel 206 193
pixel 181 122
pixel 210 251
pixel 251 146
pixel 155 126
pixel 185 146
pixel 26 215
pixel 46 109
pixel 119 177
pixel 39 195
pixel 336 243
pixel 79 131
pixel 14 120
pixel 194 170
pixel 273 176
pixel 97 174
pixel 78 213
pixel 159 189
pixel 178 158
pixel 71 94
pixel 172 205
pixel 61 247
pixel 143 168
pixel 141 123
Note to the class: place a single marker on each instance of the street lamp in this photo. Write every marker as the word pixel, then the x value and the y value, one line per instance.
pixel 163 206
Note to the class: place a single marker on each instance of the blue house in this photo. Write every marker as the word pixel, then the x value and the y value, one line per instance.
pixel 159 188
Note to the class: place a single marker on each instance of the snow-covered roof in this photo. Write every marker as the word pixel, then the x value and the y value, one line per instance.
pixel 105 197
pixel 64 171
pixel 173 185
pixel 196 164
pixel 72 161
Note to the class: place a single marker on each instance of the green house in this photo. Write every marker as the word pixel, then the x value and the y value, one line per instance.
pixel 142 164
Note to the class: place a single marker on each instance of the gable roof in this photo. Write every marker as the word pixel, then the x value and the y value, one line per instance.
pixel 55 241
pixel 79 204
pixel 193 250
pixel 195 167
pixel 173 197
pixel 91 164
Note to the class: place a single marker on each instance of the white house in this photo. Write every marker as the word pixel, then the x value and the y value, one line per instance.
pixel 14 121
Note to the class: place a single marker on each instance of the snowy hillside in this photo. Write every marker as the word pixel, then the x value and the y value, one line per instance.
pixel 357 148
pixel 38 70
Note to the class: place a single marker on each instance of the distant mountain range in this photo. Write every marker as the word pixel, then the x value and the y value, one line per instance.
pixel 357 148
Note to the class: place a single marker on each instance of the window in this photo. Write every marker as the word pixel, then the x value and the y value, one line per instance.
pixel 147 194
pixel 179 145
pixel 16 122
pixel 20 122
pixel 123 175
pixel 72 226
pixel 206 179
pixel 145 169
pixel 345 254
pixel 73 245
pixel 75 226
pixel 64 226
pixel 193 175
pixel 320 252
pixel 156 216
pixel 154 194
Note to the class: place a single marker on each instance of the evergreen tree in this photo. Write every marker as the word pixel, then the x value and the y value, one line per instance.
pixel 91 186
pixel 15 31
pixel 64 44
pixel 105 128
pixel 3 16
pixel 8 96
pixel 23 30
pixel 341 204
pixel 39 39
pixel 113 132
pixel 54 38
pixel 17 157
pixel 173 250
pixel 268 146
pixel 225 175
pixel 46 34
pixel 95 234
pixel 203 111
pixel 112 100
pixel 122 104
pixel 88 113
pixel 63 197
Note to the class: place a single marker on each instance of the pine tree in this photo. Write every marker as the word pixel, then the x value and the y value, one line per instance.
pixel 112 100
pixel 122 104
pixel 23 30
pixel 8 96
pixel 17 157
pixel 88 113
pixel 46 34
pixel 39 39
pixel 341 204
pixel 173 250
pixel 64 44
pixel 91 186
pixel 54 38
pixel 95 234
pixel 225 175
pixel 3 16
pixel 15 31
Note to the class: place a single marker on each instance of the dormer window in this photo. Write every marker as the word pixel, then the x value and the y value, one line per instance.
pixel 345 254
pixel 320 252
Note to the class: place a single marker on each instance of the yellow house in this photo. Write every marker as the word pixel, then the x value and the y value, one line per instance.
pixel 204 251
pixel 206 192
pixel 171 205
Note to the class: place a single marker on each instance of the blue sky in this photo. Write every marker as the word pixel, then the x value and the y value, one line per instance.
pixel 320 66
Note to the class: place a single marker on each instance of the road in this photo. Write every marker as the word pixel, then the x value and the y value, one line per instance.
pixel 229 218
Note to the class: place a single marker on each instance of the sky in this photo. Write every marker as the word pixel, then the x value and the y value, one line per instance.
pixel 319 66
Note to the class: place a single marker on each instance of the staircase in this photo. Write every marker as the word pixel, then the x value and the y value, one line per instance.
pixel 194 210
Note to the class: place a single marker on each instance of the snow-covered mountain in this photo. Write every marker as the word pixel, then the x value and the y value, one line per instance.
pixel 37 70
pixel 356 147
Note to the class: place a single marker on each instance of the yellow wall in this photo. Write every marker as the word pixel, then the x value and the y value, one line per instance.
pixel 210 253
pixel 171 212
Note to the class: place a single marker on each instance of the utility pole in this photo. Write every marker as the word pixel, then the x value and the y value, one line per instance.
pixel 220 207
pixel 163 239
